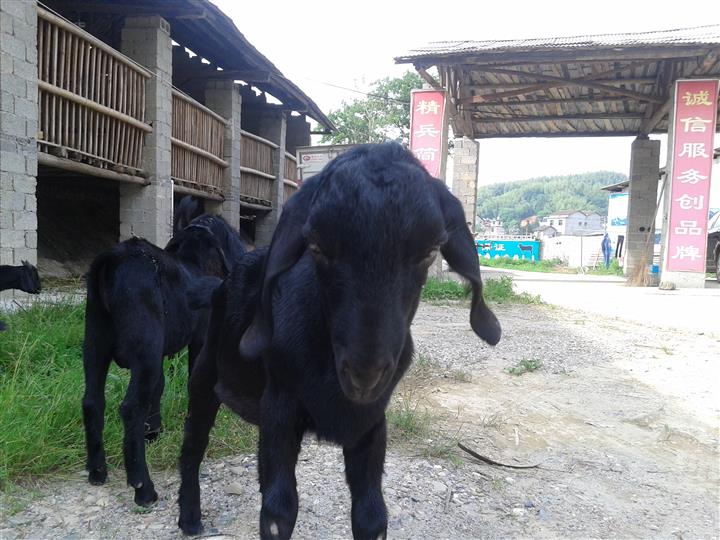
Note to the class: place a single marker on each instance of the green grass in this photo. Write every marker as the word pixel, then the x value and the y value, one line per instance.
pixel 551 265
pixel 525 366
pixel 41 387
pixel 498 290
pixel 613 270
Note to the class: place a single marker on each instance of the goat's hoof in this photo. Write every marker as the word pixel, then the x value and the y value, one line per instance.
pixel 190 528
pixel 146 496
pixel 97 477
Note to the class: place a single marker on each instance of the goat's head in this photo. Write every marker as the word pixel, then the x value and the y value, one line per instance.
pixel 196 245
pixel 373 222
pixel 29 279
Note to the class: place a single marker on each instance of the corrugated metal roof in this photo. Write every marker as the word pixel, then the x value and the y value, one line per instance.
pixel 701 35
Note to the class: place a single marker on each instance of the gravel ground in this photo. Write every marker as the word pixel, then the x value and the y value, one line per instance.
pixel 622 420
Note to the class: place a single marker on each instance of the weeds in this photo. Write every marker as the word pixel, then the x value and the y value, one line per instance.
pixel 498 290
pixel 525 366
pixel 41 386
pixel 551 265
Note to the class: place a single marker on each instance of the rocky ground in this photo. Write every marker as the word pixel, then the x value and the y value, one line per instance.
pixel 621 419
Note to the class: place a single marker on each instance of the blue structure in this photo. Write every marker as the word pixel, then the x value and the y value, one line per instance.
pixel 527 250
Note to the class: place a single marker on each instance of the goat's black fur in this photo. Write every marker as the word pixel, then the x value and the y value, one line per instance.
pixel 315 334
pixel 24 278
pixel 140 302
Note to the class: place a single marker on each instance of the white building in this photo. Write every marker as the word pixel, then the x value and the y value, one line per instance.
pixel 574 222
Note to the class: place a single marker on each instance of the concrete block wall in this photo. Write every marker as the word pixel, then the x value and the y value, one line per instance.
pixel 223 97
pixel 273 127
pixel 147 211
pixel 642 201
pixel 18 132
pixel 465 171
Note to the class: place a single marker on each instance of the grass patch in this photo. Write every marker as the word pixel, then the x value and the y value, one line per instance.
pixel 436 289
pixel 502 291
pixel 525 366
pixel 41 387
pixel 499 290
pixel 550 265
pixel 613 270
pixel 406 419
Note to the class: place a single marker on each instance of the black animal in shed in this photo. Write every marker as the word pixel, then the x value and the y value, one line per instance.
pixel 140 309
pixel 314 334
pixel 23 277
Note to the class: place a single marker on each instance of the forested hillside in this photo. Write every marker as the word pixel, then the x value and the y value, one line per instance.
pixel 514 201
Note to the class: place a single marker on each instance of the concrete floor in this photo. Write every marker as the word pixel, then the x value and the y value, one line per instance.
pixel 695 310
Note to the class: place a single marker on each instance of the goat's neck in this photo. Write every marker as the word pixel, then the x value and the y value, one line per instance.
pixel 10 277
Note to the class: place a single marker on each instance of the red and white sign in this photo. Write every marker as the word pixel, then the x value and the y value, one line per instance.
pixel 694 123
pixel 427 115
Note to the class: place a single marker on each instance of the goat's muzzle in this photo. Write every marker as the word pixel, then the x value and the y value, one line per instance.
pixel 364 382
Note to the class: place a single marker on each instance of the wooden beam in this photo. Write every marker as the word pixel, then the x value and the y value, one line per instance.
pixel 703 67
pixel 122 8
pixel 479 118
pixel 589 100
pixel 560 81
pixel 429 79
pixel 518 135
pixel 641 80
pixel 48 160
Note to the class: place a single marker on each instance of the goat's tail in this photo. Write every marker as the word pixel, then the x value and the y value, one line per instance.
pixel 98 282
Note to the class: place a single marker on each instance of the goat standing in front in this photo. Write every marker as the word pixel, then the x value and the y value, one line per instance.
pixel 315 334
pixel 139 310
pixel 24 278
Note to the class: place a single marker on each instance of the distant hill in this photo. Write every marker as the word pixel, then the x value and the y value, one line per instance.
pixel 514 201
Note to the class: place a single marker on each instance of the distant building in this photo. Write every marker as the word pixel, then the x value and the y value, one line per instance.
pixel 546 231
pixel 573 222
pixel 492 226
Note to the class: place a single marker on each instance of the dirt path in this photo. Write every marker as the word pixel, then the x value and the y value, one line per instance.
pixel 622 420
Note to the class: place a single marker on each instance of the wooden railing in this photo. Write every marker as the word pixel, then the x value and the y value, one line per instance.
pixel 291 176
pixel 258 170
pixel 198 135
pixel 91 99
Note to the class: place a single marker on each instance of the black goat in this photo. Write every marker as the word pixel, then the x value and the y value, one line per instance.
pixel 24 277
pixel 139 309
pixel 314 335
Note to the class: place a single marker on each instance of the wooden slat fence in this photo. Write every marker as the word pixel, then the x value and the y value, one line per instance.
pixel 198 136
pixel 258 170
pixel 91 98
pixel 291 176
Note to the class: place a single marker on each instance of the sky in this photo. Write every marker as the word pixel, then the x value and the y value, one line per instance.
pixel 329 48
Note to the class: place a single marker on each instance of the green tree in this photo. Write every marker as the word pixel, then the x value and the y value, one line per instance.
pixel 383 114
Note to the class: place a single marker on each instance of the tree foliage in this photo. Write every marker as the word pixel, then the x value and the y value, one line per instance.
pixel 541 196
pixel 382 115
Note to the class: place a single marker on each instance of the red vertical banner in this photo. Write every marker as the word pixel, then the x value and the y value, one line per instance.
pixel 694 129
pixel 427 116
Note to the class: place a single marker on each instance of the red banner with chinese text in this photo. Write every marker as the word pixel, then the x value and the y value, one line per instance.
pixel 427 113
pixel 694 129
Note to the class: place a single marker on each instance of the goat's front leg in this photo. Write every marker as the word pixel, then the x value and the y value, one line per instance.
pixel 153 422
pixel 96 361
pixel 363 470
pixel 203 406
pixel 144 376
pixel 281 433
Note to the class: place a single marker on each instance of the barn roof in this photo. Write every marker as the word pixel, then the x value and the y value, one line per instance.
pixel 201 26
pixel 607 84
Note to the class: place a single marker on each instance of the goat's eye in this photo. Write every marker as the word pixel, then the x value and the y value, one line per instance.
pixel 317 254
pixel 315 249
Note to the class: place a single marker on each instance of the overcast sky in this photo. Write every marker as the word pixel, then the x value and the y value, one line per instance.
pixel 323 45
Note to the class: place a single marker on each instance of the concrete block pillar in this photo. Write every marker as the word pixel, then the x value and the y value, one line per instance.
pixel 465 172
pixel 147 211
pixel 18 132
pixel 644 175
pixel 223 97
pixel 273 127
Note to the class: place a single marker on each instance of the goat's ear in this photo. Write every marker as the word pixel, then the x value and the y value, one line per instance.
pixel 187 210
pixel 461 254
pixel 287 246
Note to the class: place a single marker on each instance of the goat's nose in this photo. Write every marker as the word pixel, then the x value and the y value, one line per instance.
pixel 365 379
